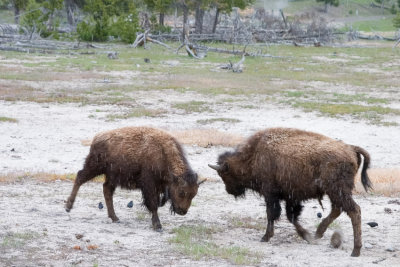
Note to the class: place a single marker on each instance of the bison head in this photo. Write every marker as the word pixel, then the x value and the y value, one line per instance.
pixel 182 190
pixel 233 184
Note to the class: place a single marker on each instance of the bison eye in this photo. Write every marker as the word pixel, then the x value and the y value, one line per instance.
pixel 182 194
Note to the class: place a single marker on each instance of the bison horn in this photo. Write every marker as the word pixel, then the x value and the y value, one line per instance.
pixel 215 167
pixel 202 181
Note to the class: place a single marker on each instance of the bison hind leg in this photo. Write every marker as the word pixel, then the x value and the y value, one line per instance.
pixel 335 212
pixel 293 211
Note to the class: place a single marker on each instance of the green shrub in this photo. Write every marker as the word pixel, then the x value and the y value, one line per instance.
pixel 396 21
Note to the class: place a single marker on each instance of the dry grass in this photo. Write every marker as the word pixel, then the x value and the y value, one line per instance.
pixel 42 177
pixel 385 182
pixel 200 137
pixel 207 137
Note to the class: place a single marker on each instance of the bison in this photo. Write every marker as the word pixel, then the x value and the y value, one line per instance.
pixel 140 158
pixel 294 166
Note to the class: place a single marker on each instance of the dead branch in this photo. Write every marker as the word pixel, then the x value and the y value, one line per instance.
pixel 396 44
pixel 235 67
pixel 142 38
pixel 191 51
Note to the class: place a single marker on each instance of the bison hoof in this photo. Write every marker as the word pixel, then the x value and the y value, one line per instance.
pixel 265 238
pixel 67 209
pixel 308 238
pixel 318 236
pixel 115 220
pixel 160 230
pixel 355 253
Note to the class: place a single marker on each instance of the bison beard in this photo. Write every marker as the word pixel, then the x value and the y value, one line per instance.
pixel 140 158
pixel 294 165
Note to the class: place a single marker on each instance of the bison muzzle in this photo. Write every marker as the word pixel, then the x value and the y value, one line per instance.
pixel 140 158
pixel 294 165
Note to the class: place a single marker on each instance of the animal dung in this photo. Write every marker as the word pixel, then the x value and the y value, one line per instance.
pixel 337 239
pixel 147 60
pixel 100 205
pixel 319 215
pixel 130 204
pixel 92 247
pixel 372 224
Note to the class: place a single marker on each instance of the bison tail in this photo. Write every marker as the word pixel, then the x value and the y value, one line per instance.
pixel 364 176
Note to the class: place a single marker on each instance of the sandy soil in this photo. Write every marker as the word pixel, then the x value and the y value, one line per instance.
pixel 36 231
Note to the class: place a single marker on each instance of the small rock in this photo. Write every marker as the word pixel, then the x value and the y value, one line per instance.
pixel 319 215
pixel 372 224
pixel 390 249
pixel 78 236
pixel 130 204
pixel 100 205
pixel 367 245
pixel 394 201
pixel 388 210
pixel 147 60
pixel 12 150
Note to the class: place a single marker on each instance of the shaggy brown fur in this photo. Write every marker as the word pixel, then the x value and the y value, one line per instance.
pixel 294 165
pixel 140 158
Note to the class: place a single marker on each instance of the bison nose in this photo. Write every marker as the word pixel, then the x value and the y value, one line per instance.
pixel 181 211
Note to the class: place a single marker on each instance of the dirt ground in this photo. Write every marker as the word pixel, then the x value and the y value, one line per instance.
pixel 35 230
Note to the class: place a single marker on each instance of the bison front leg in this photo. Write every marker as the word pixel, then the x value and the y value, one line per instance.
pixel 273 213
pixel 151 198
pixel 82 177
pixel 108 190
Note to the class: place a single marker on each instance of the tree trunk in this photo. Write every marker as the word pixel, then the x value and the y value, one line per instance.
pixel 69 6
pixel 216 20
pixel 161 19
pixel 199 19
pixel 185 27
pixel 16 14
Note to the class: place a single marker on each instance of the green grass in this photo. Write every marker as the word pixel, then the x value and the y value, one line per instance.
pixel 306 78
pixel 17 240
pixel 373 114
pixel 209 121
pixel 381 25
pixel 195 242
pixel 192 106
pixel 7 119
pixel 137 113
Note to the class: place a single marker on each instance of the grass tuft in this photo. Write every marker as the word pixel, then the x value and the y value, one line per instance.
pixel 7 119
pixel 209 121
pixel 193 106
pixel 207 137
pixel 385 182
pixel 194 241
